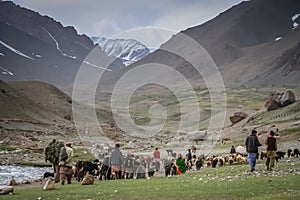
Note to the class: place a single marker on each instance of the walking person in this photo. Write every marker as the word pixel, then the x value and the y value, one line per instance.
pixel 271 150
pixel 252 143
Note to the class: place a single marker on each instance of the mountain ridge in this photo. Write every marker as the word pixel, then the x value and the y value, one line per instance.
pixel 36 47
pixel 233 39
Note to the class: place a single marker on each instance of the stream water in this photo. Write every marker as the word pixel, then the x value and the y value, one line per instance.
pixel 20 173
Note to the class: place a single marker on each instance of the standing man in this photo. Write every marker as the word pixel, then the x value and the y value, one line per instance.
pixel 65 165
pixel 232 150
pixel 156 155
pixel 271 150
pixel 252 143
pixel 189 159
pixel 51 153
pixel 116 159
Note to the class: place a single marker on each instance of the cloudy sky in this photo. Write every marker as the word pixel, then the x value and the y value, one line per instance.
pixel 108 18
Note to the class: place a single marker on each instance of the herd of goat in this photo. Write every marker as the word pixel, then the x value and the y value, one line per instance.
pixel 139 167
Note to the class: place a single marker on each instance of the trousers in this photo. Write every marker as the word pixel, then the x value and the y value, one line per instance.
pixel 65 172
pixel 252 160
pixel 270 159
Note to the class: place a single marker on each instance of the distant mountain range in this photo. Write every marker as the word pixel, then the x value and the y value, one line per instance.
pixel 36 47
pixel 128 50
pixel 256 43
pixel 253 43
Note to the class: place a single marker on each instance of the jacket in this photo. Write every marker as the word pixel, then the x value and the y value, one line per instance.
pixel 116 157
pixel 252 143
pixel 271 142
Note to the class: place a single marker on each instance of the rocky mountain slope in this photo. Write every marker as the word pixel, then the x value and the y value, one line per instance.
pixel 252 43
pixel 128 50
pixel 30 106
pixel 36 47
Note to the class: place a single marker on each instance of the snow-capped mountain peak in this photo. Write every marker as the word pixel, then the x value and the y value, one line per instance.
pixel 128 50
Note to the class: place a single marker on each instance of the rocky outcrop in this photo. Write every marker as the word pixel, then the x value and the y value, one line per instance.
pixel 7 190
pixel 280 100
pixel 237 117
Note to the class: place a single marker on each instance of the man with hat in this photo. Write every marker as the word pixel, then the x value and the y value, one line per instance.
pixel 65 164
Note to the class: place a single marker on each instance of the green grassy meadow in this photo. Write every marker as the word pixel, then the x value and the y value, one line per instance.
pixel 229 182
pixel 245 99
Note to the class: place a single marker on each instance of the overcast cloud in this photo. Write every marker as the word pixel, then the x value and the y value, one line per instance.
pixel 110 17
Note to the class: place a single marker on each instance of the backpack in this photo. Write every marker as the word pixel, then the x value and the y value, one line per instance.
pixel 52 151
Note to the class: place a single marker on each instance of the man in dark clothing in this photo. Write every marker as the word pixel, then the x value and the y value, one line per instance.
pixel 271 150
pixel 232 150
pixel 189 159
pixel 252 143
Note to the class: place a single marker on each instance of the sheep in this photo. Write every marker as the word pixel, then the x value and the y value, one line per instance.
pixel 214 162
pixel 241 160
pixel 49 185
pixel 231 160
pixel 290 153
pixel 199 163
pixel 88 180
pixel 296 152
pixel 221 161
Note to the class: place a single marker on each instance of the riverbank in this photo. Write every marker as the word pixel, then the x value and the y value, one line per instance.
pixel 23 175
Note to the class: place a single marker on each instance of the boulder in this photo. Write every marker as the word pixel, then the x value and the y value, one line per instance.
pixel 241 150
pixel 280 100
pixel 287 98
pixel 7 190
pixel 272 104
pixel 237 117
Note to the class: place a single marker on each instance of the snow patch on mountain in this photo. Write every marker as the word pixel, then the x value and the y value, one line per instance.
pixel 93 65
pixel 128 50
pixel 277 39
pixel 15 50
pixel 57 45
pixel 295 20
pixel 5 71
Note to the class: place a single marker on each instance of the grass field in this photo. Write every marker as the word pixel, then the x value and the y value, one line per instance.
pixel 243 99
pixel 229 182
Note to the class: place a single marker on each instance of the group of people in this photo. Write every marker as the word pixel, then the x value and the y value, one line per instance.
pixel 116 161
pixel 61 154
pixel 252 143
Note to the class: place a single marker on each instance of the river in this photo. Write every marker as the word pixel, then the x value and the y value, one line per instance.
pixel 21 173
